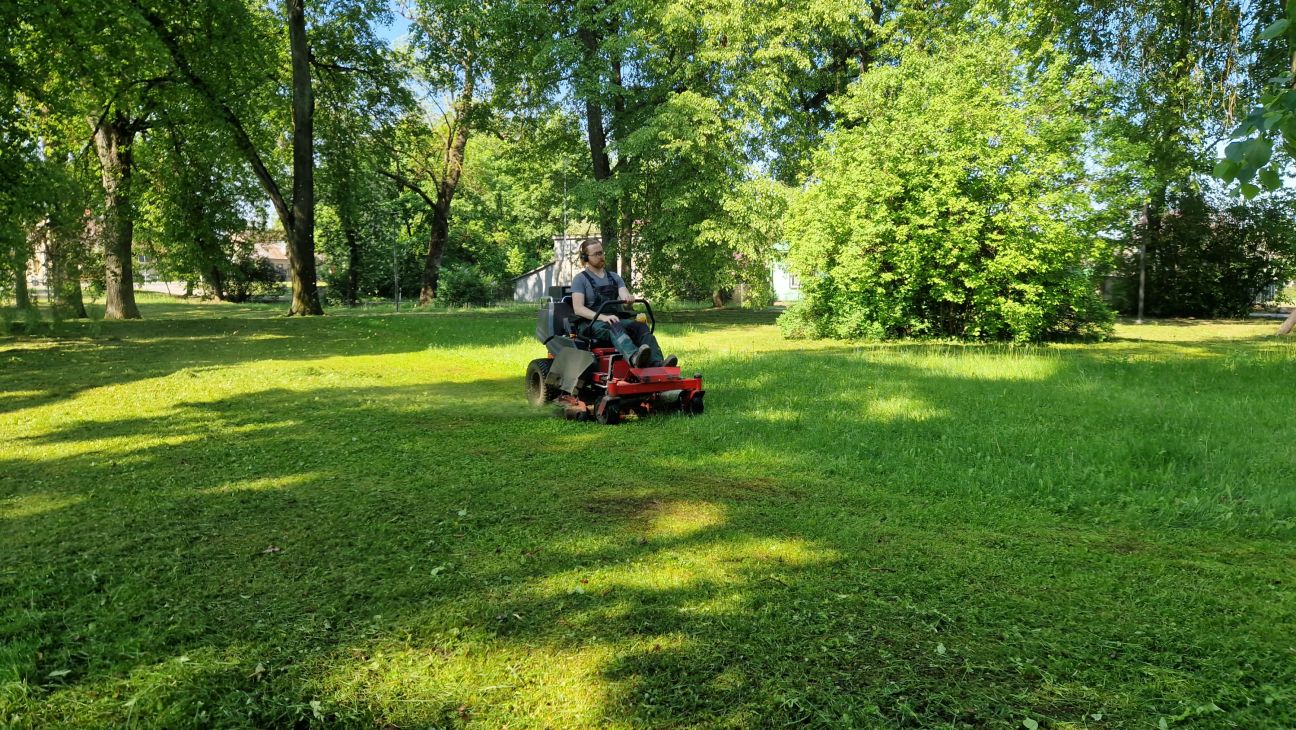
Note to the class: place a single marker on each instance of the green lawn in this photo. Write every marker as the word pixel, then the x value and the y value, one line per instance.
pixel 220 517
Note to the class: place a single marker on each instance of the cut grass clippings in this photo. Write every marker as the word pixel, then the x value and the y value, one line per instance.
pixel 221 517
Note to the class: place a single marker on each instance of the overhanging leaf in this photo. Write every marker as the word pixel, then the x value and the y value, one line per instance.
pixel 1269 179
pixel 1275 29
pixel 1257 152
pixel 1226 170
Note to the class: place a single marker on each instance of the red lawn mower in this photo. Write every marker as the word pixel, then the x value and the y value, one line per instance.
pixel 597 383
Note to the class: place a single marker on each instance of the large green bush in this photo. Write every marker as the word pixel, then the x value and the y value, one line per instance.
pixel 953 201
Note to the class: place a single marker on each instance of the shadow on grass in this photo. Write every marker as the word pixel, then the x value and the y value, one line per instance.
pixel 851 536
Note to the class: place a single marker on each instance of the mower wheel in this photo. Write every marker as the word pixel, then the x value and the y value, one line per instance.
pixel 538 392
pixel 609 415
pixel 695 406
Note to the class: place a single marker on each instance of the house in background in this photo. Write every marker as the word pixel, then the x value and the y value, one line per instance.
pixel 534 284
pixel 787 286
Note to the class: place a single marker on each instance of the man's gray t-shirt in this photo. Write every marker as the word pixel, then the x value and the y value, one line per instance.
pixel 581 284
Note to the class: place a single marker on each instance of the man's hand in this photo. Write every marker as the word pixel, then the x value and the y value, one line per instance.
pixel 609 318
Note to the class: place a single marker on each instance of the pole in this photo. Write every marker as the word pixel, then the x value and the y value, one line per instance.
pixel 395 274
pixel 1147 231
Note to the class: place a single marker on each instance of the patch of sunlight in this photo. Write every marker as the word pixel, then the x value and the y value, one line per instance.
pixel 474 682
pixel 731 603
pixel 122 450
pixel 266 483
pixel 675 568
pixel 778 415
pixel 893 408
pixel 682 518
pixel 30 505
pixel 20 394
pixel 1196 330
pixel 148 689
pixel 1008 364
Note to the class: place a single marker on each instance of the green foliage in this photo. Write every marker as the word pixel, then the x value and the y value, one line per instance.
pixel 1210 258
pixel 253 277
pixel 954 203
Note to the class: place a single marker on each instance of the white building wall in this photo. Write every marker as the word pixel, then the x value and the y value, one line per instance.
pixel 787 287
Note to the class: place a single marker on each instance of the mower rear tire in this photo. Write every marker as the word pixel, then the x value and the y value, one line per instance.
pixel 539 392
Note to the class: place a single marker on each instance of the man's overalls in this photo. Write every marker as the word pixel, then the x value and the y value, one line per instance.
pixel 621 335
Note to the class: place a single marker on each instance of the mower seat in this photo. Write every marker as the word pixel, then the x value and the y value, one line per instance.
pixel 558 327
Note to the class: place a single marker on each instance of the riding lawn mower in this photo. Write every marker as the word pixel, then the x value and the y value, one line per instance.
pixel 597 383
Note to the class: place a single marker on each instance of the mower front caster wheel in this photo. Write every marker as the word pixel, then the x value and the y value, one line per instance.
pixel 695 405
pixel 608 414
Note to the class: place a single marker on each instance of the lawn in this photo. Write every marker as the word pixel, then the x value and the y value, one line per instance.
pixel 221 517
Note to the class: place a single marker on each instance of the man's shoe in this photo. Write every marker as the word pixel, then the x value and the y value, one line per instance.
pixel 670 361
pixel 641 357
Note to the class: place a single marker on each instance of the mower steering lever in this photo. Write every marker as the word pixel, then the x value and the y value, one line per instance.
pixel 652 319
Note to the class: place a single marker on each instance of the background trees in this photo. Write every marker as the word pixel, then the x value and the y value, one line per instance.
pixel 702 140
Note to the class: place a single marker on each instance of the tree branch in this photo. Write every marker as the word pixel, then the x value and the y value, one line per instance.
pixel 402 181
pixel 241 138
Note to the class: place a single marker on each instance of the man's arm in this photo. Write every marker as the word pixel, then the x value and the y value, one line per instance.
pixel 578 306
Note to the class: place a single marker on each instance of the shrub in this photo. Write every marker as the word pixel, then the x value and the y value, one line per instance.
pixel 466 285
pixel 952 202
pixel 253 277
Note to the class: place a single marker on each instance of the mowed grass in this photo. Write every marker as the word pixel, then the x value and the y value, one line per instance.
pixel 221 517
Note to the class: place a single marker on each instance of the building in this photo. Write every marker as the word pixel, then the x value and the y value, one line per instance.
pixel 534 284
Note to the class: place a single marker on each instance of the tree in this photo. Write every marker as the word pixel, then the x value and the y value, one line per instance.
pixel 468 52
pixel 202 40
pixel 1215 257
pixel 978 223
pixel 192 205
pixel 664 136
pixel 111 76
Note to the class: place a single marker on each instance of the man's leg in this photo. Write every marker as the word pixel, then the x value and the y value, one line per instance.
pixel 641 335
pixel 616 336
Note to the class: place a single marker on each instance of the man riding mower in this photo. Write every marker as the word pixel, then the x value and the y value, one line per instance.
pixel 599 383
pixel 604 360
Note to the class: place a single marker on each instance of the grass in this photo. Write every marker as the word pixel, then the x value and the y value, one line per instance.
pixel 220 517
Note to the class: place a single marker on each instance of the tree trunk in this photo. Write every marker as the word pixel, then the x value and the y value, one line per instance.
pixel 64 275
pixel 717 299
pixel 113 140
pixel 212 275
pixel 301 234
pixel 299 219
pixel 446 190
pixel 1288 323
pixel 22 298
pixel 597 137
pixel 436 249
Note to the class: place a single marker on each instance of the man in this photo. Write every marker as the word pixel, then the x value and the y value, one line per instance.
pixel 594 285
